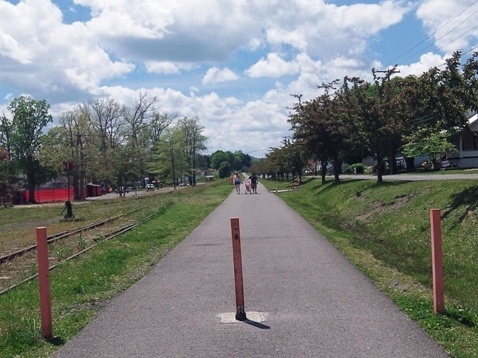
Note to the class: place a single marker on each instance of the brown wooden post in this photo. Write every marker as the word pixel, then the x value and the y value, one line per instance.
pixel 238 276
pixel 44 282
pixel 437 262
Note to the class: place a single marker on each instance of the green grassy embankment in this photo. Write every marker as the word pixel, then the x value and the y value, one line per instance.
pixel 384 229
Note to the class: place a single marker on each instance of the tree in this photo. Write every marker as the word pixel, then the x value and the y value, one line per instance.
pixel 79 135
pixel 317 125
pixel 107 124
pixel 169 160
pixel 224 170
pixel 136 120
pixel 433 145
pixel 7 175
pixel 29 119
pixel 194 143
pixel 370 118
pixel 158 123
pixel 219 157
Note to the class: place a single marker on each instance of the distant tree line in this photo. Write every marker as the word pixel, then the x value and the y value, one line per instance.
pixel 100 141
pixel 354 119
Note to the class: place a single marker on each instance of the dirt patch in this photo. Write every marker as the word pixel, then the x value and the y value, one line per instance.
pixel 379 207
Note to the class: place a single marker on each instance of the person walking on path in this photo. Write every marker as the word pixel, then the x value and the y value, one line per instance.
pixel 254 182
pixel 237 182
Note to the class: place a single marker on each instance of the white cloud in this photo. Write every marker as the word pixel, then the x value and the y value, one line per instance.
pixel 49 56
pixel 426 62
pixel 161 67
pixel 166 67
pixel 452 24
pixel 216 75
pixel 272 66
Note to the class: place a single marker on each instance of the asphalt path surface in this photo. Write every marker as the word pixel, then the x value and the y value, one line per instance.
pixel 302 298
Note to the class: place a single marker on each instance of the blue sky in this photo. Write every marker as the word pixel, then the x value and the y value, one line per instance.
pixel 232 63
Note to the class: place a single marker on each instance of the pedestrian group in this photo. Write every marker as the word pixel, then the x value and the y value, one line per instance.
pixel 250 183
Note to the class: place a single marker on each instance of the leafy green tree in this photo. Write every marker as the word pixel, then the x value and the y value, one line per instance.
pixel 433 145
pixel 169 157
pixel 317 125
pixel 30 117
pixel 7 171
pixel 224 170
pixel 219 157
pixel 372 122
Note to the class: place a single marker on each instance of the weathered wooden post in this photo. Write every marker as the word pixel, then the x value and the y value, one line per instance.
pixel 238 276
pixel 437 262
pixel 44 282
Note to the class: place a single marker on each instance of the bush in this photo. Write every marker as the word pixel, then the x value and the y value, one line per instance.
pixel 357 168
pixel 224 170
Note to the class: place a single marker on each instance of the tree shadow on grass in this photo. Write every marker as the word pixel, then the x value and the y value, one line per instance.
pixel 468 199
pixel 322 188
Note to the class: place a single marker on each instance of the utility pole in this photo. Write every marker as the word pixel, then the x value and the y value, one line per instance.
pixel 388 73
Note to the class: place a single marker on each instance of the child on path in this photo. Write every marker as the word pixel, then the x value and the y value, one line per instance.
pixel 247 184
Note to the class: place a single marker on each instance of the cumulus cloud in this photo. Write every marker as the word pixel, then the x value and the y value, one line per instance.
pixel 272 66
pixel 216 75
pixel 167 68
pixel 426 62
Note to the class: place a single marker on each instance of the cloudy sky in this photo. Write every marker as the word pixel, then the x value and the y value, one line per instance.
pixel 232 63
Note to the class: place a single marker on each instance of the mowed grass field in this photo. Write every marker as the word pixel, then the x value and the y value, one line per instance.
pixel 383 229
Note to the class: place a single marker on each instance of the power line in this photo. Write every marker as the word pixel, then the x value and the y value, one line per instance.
pixel 437 30
pixel 441 37
pixel 456 38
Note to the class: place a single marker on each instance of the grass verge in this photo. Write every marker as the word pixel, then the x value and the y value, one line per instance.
pixel 81 287
pixel 384 230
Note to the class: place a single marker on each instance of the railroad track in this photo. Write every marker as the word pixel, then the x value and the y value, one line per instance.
pixel 20 261
pixel 56 237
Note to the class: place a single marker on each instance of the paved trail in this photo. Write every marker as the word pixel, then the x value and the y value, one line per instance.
pixel 303 298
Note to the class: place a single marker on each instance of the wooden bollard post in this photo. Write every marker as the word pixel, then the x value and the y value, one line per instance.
pixel 437 262
pixel 44 282
pixel 239 281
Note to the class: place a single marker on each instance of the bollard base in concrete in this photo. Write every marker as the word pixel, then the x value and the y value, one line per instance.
pixel 254 316
pixel 241 314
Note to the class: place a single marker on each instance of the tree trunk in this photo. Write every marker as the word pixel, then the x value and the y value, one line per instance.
pixel 323 170
pixel 410 163
pixel 31 192
pixel 379 169
pixel 75 182
pixel 31 184
pixel 337 170
pixel 392 160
